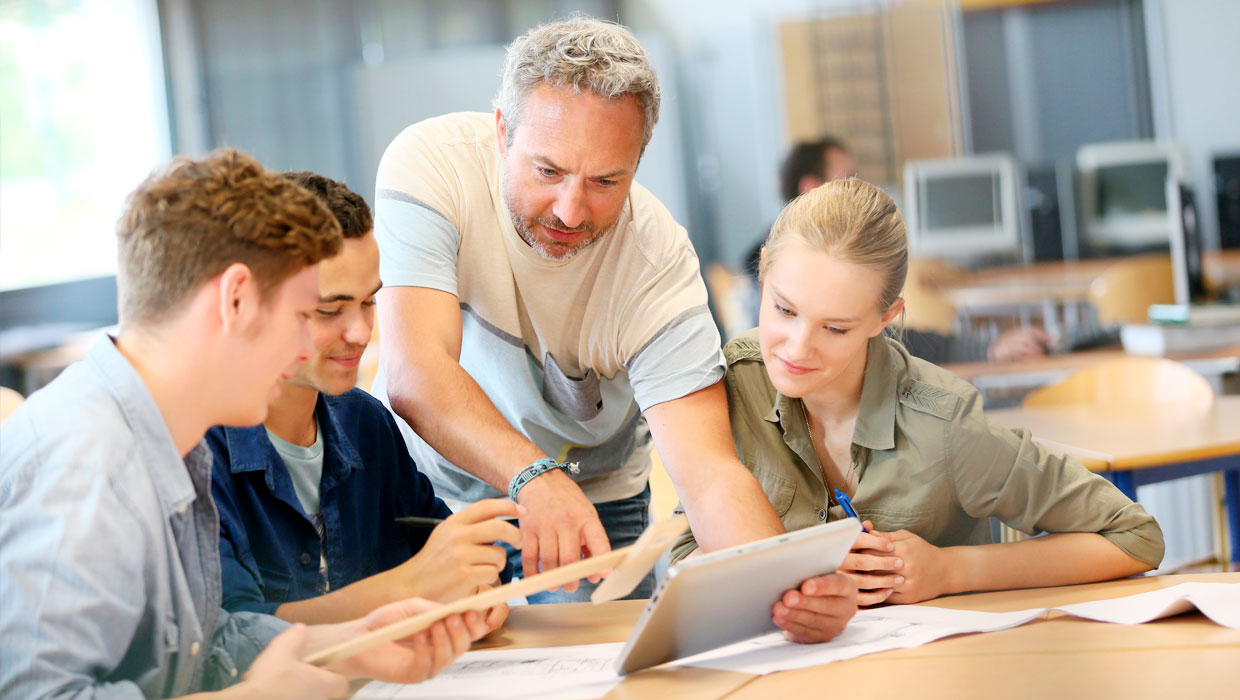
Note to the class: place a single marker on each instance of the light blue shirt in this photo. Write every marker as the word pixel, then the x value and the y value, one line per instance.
pixel 109 548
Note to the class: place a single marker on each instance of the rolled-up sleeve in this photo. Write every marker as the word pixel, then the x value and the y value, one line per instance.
pixel 1004 473
pixel 685 545
pixel 239 638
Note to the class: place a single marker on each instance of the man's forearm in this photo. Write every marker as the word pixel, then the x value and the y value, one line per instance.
pixel 729 509
pixel 448 409
pixel 1053 560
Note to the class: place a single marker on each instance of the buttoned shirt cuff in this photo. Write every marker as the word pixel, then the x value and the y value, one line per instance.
pixel 239 639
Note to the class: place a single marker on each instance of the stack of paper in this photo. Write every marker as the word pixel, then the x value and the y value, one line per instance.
pixel 566 672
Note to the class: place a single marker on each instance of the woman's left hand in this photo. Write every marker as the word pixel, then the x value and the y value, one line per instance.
pixel 926 569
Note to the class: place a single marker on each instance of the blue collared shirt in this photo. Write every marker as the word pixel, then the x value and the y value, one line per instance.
pixel 269 546
pixel 109 562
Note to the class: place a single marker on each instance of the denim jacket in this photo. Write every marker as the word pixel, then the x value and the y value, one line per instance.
pixel 269 547
pixel 109 569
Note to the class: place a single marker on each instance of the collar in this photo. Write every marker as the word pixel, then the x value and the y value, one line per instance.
pixel 169 470
pixel 876 412
pixel 250 450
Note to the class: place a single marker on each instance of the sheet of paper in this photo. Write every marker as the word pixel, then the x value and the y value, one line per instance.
pixel 871 631
pixel 1218 601
pixel 547 673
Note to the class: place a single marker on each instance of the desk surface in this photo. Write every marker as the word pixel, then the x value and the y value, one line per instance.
pixel 1132 439
pixel 1222 268
pixel 1024 284
pixel 1054 655
pixel 1070 361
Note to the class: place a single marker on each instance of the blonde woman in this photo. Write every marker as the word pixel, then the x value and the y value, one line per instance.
pixel 821 398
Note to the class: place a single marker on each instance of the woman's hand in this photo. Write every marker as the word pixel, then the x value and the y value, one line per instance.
pixel 926 570
pixel 817 610
pixel 874 566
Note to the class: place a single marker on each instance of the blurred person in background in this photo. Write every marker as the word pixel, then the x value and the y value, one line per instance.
pixel 810 164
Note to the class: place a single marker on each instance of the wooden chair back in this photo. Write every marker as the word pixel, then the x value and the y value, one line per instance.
pixel 1129 383
pixel 663 498
pixel 729 291
pixel 368 367
pixel 924 308
pixel 9 401
pixel 1124 292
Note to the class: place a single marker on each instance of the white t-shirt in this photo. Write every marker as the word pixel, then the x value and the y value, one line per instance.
pixel 569 351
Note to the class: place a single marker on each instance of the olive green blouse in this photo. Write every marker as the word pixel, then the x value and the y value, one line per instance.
pixel 928 460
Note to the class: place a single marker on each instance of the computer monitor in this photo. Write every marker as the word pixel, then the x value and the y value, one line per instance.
pixel 1227 194
pixel 1049 205
pixel 1123 197
pixel 964 209
pixel 1186 244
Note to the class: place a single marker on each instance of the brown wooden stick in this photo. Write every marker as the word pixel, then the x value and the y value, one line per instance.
pixel 544 581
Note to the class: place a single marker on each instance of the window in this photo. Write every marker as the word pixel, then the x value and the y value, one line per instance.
pixel 83 119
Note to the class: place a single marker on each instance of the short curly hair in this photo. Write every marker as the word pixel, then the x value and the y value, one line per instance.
pixel 346 205
pixel 586 55
pixel 191 219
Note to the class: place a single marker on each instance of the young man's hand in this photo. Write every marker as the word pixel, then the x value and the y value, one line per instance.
pixel 410 660
pixel 460 555
pixel 495 616
pixel 278 672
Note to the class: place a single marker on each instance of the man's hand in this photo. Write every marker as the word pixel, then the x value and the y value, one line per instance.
pixel 278 672
pixel 1019 344
pixel 873 566
pixel 415 658
pixel 495 617
pixel 818 610
pixel 459 555
pixel 559 526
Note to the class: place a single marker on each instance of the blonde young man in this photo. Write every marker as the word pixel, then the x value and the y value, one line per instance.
pixel 544 318
pixel 308 500
pixel 109 543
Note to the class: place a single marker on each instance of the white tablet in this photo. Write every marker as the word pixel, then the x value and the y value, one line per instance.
pixel 715 599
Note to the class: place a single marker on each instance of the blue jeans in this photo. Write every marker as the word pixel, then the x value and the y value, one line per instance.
pixel 624 520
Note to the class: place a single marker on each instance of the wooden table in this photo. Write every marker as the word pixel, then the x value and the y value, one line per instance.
pixel 1144 447
pixel 1221 268
pixel 1047 288
pixel 1054 655
pixel 1059 282
pixel 1041 371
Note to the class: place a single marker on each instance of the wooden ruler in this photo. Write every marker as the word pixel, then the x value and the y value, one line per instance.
pixel 628 564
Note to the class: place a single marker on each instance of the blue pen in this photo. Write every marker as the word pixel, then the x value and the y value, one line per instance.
pixel 846 504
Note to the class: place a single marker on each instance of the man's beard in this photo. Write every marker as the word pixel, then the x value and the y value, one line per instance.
pixel 552 249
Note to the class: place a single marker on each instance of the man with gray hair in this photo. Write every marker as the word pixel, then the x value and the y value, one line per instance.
pixel 543 316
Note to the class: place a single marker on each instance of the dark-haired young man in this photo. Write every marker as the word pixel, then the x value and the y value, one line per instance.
pixel 109 542
pixel 308 500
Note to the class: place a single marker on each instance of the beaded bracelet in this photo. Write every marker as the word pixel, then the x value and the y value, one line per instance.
pixel 543 465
